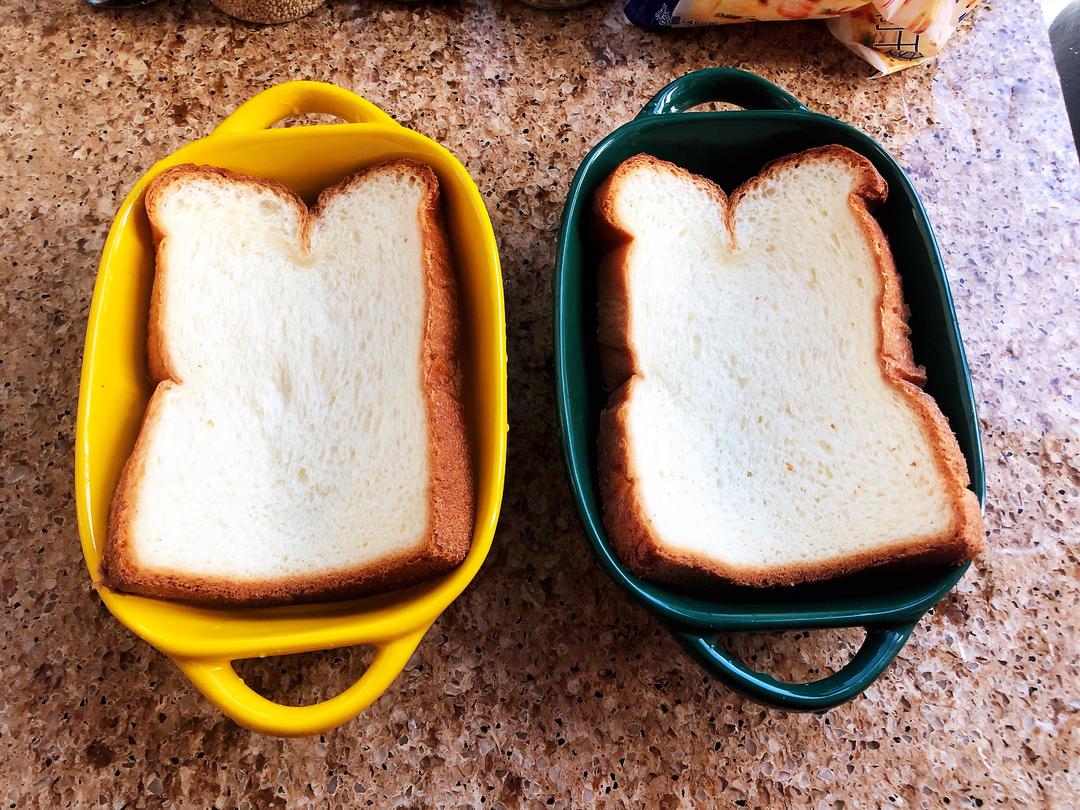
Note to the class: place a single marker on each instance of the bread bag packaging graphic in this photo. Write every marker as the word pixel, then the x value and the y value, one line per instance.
pixel 889 34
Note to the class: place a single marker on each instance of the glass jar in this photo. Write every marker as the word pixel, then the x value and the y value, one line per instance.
pixel 267 11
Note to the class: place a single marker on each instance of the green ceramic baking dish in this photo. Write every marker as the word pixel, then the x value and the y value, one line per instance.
pixel 729 147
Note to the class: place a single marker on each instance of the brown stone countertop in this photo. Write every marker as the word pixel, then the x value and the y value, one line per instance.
pixel 543 685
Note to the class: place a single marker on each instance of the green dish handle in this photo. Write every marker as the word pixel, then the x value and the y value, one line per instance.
pixel 720 84
pixel 877 652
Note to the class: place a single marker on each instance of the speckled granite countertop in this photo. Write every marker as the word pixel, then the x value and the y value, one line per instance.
pixel 542 684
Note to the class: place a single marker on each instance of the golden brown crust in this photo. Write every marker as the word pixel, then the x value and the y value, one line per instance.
pixel 626 519
pixel 451 468
pixel 451 507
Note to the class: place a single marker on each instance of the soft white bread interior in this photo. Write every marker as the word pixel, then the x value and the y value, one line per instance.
pixel 767 423
pixel 306 439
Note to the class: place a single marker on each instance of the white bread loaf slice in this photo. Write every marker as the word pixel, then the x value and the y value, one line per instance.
pixel 306 439
pixel 767 424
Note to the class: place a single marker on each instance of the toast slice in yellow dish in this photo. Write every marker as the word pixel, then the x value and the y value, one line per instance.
pixel 305 440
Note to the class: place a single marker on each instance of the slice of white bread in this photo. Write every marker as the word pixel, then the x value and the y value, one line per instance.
pixel 767 424
pixel 306 439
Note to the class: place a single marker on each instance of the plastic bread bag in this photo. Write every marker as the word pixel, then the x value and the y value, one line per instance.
pixel 892 36
pixel 889 34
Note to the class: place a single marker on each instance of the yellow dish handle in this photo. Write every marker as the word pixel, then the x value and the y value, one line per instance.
pixel 227 690
pixel 299 98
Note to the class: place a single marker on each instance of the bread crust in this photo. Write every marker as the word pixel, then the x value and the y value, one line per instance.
pixel 626 519
pixel 448 535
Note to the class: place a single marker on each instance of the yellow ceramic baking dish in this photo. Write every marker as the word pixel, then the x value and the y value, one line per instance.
pixel 114 391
